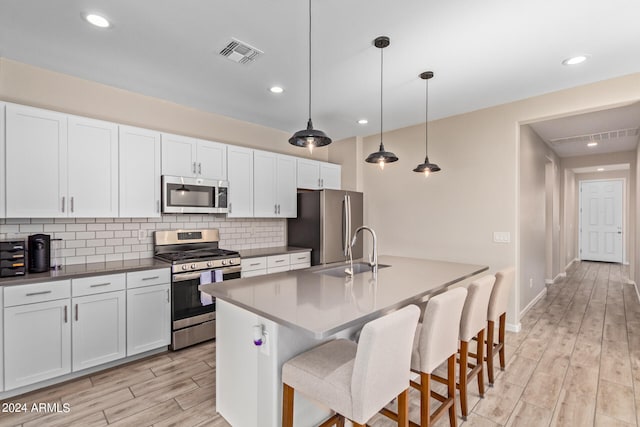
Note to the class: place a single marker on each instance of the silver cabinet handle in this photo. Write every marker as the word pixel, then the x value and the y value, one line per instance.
pixel 158 206
pixel 76 312
pixel 279 260
pixel 168 296
pixel 230 207
pixel 194 167
pixel 71 203
pixel 319 184
pixel 302 257
pixel 200 168
pixel 63 203
pixel 278 209
pixel 322 182
pixel 151 278
pixel 275 209
pixel 97 285
pixel 254 264
pixel 32 294
pixel 65 314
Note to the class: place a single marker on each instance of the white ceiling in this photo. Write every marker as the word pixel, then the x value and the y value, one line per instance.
pixel 483 53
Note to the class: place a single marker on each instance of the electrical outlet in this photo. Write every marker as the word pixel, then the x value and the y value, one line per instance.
pixel 531 282
pixel 142 234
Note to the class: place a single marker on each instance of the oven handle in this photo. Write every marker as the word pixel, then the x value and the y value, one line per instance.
pixel 181 277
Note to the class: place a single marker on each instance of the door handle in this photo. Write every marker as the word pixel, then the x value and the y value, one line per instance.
pixel 71 203
pixel 319 183
pixel 194 167
pixel 65 314
pixel 63 203
pixel 158 206
pixel 230 207
pixel 200 168
pixel 278 209
pixel 76 312
pixel 275 209
pixel 168 300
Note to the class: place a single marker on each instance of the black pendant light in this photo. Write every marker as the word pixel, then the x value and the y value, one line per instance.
pixel 309 137
pixel 381 156
pixel 427 167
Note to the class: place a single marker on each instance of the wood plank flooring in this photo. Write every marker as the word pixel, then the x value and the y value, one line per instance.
pixel 575 363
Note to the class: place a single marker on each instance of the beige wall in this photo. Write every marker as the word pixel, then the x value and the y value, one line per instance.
pixel 347 152
pixel 452 214
pixel 38 87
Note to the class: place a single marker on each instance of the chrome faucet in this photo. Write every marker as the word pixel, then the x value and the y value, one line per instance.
pixel 373 258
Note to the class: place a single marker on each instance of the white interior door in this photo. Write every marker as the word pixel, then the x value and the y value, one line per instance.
pixel 601 205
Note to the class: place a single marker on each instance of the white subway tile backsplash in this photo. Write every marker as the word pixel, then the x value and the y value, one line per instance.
pixel 109 239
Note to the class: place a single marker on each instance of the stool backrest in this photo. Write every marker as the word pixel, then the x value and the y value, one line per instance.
pixel 474 313
pixel 382 365
pixel 440 327
pixel 500 294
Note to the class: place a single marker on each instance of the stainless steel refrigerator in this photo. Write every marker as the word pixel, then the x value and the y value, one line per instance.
pixel 323 224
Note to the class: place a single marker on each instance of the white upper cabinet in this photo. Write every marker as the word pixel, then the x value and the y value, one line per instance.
pixel 2 179
pixel 139 173
pixel 315 175
pixel 184 156
pixel 92 168
pixel 274 185
pixel 240 172
pixel 36 163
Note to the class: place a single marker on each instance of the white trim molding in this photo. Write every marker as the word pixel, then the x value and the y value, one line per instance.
pixel 570 264
pixel 555 279
pixel 513 327
pixel 533 302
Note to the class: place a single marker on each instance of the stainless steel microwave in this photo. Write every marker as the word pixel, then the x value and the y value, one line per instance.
pixel 194 195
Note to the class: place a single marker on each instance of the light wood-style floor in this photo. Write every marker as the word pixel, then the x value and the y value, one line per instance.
pixel 576 362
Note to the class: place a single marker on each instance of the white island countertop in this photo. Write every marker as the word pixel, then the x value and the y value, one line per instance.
pixel 321 305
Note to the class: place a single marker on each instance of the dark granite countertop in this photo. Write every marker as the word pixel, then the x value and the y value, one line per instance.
pixel 86 270
pixel 279 250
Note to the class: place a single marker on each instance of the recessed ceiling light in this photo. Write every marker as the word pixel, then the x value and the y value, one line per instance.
pixel 97 20
pixel 600 169
pixel 592 144
pixel 575 60
pixel 363 121
pixel 276 89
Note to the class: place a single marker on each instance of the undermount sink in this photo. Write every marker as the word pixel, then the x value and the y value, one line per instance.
pixel 358 267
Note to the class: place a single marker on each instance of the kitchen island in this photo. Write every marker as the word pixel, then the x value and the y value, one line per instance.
pixel 263 321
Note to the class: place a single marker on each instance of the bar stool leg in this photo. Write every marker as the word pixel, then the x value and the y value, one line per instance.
pixel 403 409
pixel 287 406
pixel 490 327
pixel 451 388
pixel 425 399
pixel 464 353
pixel 480 362
pixel 503 320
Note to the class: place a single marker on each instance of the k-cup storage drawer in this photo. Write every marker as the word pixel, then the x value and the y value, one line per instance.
pixel 98 284
pixel 12 258
pixel 277 261
pixel 36 292
pixel 251 264
pixel 139 279
pixel 11 246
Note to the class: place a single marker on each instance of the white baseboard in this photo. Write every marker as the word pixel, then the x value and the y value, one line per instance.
pixel 538 297
pixel 513 327
pixel 570 263
pixel 631 282
pixel 555 279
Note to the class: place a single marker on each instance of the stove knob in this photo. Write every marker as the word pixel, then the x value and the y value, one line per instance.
pixel 224 262
pixel 209 264
pixel 193 266
pixel 184 267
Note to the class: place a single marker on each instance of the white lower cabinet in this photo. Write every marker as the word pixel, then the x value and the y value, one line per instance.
pixel 148 318
pixel 258 266
pixel 99 331
pixel 37 342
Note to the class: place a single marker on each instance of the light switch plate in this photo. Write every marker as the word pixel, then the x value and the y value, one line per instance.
pixel 501 236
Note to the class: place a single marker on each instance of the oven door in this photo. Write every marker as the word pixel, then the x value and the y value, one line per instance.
pixel 188 303
pixel 193 195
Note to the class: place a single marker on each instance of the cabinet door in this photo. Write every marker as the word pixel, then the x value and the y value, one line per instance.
pixel 240 171
pixel 3 211
pixel 139 173
pixel 92 168
pixel 308 174
pixel 212 160
pixel 37 342
pixel 330 176
pixel 98 330
pixel 286 187
pixel 36 159
pixel 148 318
pixel 264 184
pixel 179 155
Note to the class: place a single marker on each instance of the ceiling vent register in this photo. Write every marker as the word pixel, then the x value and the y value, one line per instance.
pixel 597 137
pixel 240 52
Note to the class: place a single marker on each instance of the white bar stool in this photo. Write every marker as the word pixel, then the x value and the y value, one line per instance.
pixel 497 312
pixel 472 324
pixel 356 380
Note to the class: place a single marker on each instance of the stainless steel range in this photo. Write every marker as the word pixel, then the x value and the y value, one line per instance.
pixel 195 258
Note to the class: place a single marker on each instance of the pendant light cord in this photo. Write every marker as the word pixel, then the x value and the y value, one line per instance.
pixel 426 121
pixel 381 91
pixel 309 60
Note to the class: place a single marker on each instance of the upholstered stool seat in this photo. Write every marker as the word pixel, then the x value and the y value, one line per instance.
pixel 356 380
pixel 497 313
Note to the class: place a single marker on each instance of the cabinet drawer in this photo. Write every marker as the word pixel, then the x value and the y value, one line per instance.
pixel 37 292
pixel 251 264
pixel 278 261
pixel 277 269
pixel 98 284
pixel 138 279
pixel 301 258
pixel 300 266
pixel 254 273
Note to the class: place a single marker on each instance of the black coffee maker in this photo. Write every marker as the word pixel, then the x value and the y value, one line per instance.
pixel 39 248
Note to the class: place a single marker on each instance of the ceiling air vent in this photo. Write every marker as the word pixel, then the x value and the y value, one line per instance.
pixel 240 52
pixel 597 137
